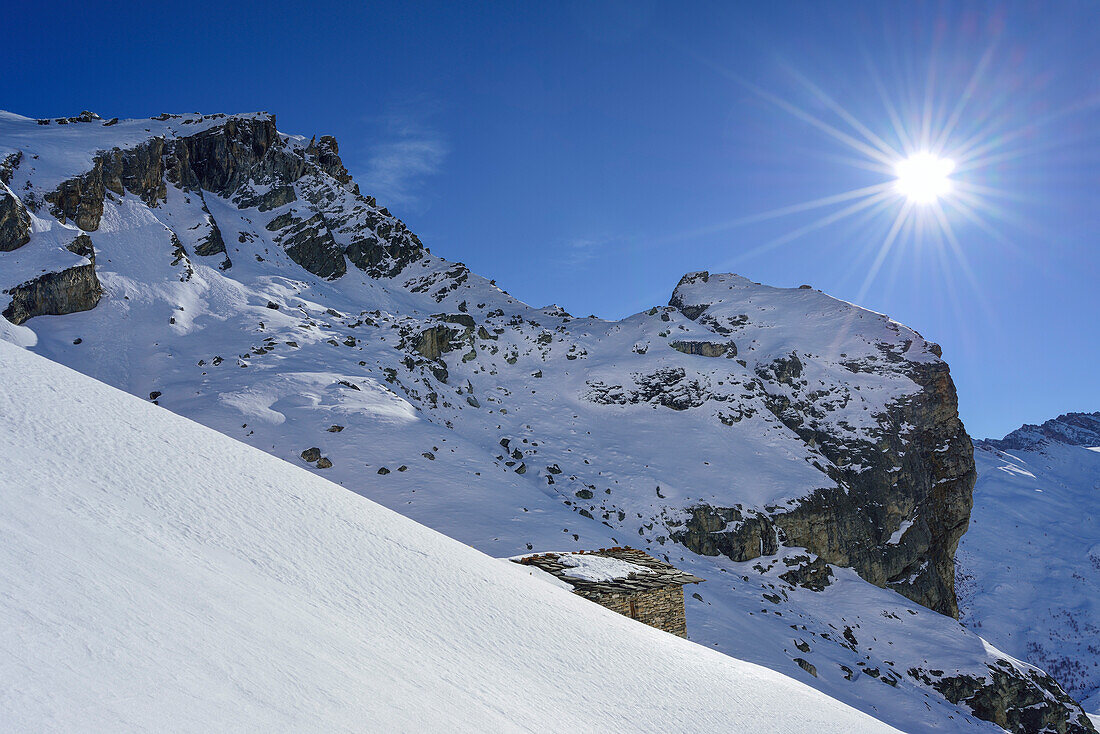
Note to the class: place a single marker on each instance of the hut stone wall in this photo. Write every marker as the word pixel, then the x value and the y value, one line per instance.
pixel 661 608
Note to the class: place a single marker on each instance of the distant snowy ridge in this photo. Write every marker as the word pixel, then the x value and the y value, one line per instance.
pixel 1071 429
pixel 1029 567
pixel 160 576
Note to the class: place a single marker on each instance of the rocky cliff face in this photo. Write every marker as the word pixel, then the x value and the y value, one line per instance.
pixel 15 223
pixel 912 467
pixel 742 428
pixel 1018 703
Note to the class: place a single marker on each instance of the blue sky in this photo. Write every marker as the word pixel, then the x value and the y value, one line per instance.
pixel 588 154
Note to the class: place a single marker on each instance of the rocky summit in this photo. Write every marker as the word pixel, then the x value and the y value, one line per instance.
pixel 802 454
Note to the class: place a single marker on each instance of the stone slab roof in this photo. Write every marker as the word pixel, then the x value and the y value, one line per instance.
pixel 662 574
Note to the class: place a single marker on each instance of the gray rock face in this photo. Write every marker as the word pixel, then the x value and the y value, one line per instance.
pixel 917 467
pixel 327 154
pixel 68 291
pixel 932 468
pixel 433 342
pixel 705 348
pixel 226 160
pixel 845 526
pixel 1015 702
pixel 310 244
pixel 15 223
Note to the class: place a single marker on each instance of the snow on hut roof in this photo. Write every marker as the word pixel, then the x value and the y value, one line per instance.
pixel 608 570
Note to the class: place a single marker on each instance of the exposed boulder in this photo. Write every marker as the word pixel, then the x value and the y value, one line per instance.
pixel 814 575
pixel 432 343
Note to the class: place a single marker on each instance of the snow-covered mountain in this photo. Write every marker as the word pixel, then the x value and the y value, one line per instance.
pixel 160 576
pixel 1029 568
pixel 803 455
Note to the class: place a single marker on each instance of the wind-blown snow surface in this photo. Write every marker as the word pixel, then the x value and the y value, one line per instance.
pixel 157 575
pixel 1029 567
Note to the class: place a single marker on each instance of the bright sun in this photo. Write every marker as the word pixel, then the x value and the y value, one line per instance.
pixel 923 178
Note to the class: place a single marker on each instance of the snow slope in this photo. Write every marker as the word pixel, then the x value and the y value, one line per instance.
pixel 158 575
pixel 1029 567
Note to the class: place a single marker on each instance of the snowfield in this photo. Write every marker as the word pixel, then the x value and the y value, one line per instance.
pixel 158 575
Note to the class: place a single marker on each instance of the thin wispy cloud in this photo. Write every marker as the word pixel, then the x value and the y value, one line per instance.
pixel 407 152
pixel 582 249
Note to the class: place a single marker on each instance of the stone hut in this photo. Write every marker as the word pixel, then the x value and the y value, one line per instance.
pixel 625 580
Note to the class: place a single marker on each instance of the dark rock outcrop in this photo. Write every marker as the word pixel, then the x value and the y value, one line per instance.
pixel 705 348
pixel 15 222
pixel 924 476
pixel 1017 702
pixel 814 575
pixel 245 159
pixel 916 468
pixel 54 294
pixel 930 467
pixel 80 199
pixel 692 311
pixel 310 244
pixel 138 170
pixel 8 166
pixel 222 159
pixel 327 153
pixel 713 531
pixel 432 343
pixel 211 243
